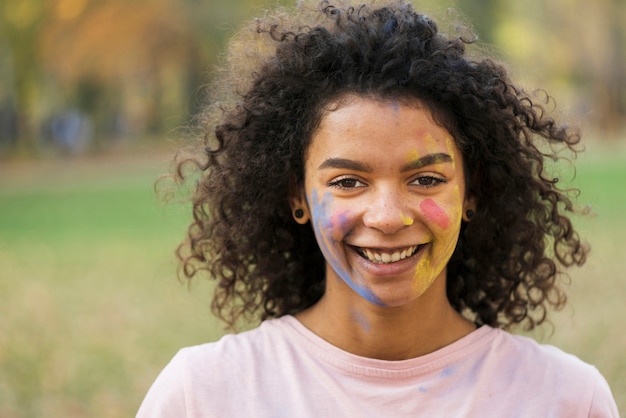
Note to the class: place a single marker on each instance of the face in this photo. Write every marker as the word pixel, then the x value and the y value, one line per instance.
pixel 384 191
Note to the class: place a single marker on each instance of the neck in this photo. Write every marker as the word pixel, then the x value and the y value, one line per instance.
pixel 418 328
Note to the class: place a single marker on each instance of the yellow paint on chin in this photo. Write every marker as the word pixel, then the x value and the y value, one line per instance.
pixel 407 220
pixel 424 276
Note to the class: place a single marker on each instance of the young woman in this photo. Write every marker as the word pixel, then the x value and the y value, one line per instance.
pixel 380 201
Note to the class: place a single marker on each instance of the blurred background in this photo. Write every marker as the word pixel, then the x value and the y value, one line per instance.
pixel 91 95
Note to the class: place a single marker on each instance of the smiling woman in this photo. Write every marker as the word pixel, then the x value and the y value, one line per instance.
pixel 379 201
pixel 360 201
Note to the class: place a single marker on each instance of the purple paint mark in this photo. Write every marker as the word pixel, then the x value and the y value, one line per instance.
pixel 331 249
pixel 361 319
pixel 340 220
pixel 434 213
pixel 448 371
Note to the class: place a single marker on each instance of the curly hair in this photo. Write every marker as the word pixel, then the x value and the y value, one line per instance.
pixel 280 74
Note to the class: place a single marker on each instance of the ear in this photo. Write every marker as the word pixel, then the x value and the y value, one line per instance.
pixel 298 203
pixel 469 208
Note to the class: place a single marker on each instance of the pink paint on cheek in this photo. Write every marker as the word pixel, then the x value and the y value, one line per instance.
pixel 341 219
pixel 435 214
pixel 334 220
pixel 338 224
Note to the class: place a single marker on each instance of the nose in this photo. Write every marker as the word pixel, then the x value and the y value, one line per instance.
pixel 387 212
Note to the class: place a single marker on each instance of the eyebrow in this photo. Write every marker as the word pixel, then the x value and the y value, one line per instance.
pixel 347 164
pixel 427 160
pixel 424 161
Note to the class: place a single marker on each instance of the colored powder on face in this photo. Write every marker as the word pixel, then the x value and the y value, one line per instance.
pixel 433 212
pixel 340 222
pixel 457 194
pixel 430 143
pixel 407 220
pixel 450 145
pixel 412 156
pixel 324 227
pixel 423 272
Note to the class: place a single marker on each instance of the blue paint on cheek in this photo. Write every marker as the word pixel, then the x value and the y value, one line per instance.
pixel 333 251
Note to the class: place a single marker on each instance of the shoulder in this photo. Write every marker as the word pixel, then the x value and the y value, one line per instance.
pixel 538 357
pixel 234 354
pixel 529 366
pixel 203 377
pixel 266 339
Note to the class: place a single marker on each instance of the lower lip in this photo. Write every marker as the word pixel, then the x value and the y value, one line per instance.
pixel 392 269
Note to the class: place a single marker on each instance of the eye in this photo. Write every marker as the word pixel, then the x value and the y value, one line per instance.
pixel 428 181
pixel 346 183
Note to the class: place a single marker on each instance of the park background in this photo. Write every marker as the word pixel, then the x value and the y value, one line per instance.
pixel 92 94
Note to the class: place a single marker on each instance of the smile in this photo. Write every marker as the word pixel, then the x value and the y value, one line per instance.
pixel 385 257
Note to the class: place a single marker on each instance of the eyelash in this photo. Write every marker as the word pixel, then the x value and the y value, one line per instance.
pixel 341 182
pixel 434 181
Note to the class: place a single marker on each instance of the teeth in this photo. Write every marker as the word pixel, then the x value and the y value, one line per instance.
pixel 386 258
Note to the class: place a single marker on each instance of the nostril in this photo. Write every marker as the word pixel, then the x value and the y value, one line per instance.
pixel 386 217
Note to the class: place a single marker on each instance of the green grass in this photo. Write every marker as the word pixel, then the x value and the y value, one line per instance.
pixel 91 311
pixel 90 308
pixel 591 326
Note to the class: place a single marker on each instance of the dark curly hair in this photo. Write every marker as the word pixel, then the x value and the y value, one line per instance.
pixel 280 74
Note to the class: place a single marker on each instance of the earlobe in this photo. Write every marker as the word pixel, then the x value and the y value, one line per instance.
pixel 299 211
pixel 469 209
pixel 298 205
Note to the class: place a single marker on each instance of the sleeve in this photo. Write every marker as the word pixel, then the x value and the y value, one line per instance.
pixel 602 403
pixel 167 395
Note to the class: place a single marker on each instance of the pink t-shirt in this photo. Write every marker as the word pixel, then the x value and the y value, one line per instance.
pixel 281 369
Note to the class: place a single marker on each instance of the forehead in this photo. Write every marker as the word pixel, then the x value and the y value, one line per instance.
pixel 358 125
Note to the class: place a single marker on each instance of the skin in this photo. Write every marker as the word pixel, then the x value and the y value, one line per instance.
pixel 383 178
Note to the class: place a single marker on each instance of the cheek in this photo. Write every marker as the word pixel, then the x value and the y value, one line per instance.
pixel 435 214
pixel 329 219
pixel 337 224
pixel 406 220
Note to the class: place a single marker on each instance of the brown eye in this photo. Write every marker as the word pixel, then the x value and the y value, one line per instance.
pixel 346 183
pixel 428 181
